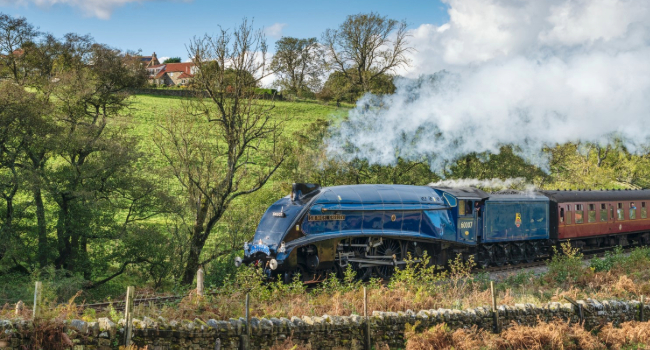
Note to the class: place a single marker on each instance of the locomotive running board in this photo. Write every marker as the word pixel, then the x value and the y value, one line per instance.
pixel 368 263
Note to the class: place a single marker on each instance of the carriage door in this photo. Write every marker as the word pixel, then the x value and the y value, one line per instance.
pixel 466 221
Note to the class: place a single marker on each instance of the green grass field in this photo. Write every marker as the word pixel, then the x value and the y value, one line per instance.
pixel 148 110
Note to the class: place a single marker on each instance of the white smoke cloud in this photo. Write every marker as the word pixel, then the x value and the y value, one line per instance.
pixel 275 30
pixel 492 184
pixel 93 8
pixel 523 72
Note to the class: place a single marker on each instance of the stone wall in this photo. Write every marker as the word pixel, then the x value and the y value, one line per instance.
pixel 190 93
pixel 326 332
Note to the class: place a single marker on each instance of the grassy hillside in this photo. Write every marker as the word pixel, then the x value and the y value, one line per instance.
pixel 147 110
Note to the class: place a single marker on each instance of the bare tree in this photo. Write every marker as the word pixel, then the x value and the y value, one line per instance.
pixel 227 144
pixel 367 46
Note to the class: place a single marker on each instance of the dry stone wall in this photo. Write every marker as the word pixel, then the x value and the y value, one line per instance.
pixel 191 93
pixel 326 332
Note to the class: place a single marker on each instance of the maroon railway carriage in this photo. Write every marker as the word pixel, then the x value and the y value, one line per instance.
pixel 593 219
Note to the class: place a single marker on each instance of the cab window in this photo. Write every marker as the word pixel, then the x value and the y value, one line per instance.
pixel 469 207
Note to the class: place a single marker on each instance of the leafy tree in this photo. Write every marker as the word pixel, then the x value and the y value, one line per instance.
pixel 18 109
pixel 15 35
pixel 236 149
pixel 296 63
pixel 339 88
pixel 172 60
pixel 365 47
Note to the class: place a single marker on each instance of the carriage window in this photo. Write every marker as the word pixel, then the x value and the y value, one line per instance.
pixel 632 211
pixel 591 217
pixel 619 212
pixel 579 213
pixel 561 214
pixel 603 212
pixel 644 211
pixel 568 214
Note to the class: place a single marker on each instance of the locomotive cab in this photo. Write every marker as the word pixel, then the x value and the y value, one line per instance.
pixel 467 205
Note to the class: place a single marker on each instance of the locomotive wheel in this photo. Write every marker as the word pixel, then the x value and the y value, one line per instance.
pixel 530 252
pixel 500 255
pixel 414 251
pixel 389 247
pixel 517 253
pixel 483 257
pixel 362 273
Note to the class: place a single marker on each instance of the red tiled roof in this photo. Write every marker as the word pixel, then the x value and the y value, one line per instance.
pixel 180 67
pixel 184 68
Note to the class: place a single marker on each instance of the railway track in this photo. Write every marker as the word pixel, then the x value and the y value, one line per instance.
pixel 588 255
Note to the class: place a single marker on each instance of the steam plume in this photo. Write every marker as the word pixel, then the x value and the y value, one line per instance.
pixel 522 72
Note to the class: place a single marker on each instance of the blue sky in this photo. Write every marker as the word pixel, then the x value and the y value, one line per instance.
pixel 166 26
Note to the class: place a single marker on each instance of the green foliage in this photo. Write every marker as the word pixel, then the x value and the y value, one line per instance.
pixel 57 285
pixel 416 272
pixel 619 259
pixel 172 60
pixel 567 265
pixel 297 66
pixel 270 92
pixel 606 263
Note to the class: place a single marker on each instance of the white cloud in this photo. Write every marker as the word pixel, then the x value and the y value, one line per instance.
pixel 275 30
pixel 93 8
pixel 523 72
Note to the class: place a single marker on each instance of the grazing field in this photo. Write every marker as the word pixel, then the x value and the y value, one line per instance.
pixel 149 110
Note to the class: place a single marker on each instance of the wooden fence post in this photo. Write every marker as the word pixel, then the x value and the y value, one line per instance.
pixel 38 291
pixel 642 307
pixel 199 281
pixel 246 339
pixel 19 307
pixel 494 308
pixel 365 315
pixel 128 314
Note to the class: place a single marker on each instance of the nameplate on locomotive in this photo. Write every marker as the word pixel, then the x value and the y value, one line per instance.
pixel 326 217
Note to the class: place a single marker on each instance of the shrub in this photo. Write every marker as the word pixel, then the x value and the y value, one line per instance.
pixel 611 258
pixel 565 266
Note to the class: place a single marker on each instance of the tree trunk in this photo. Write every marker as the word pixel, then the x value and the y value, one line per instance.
pixel 6 227
pixel 63 236
pixel 41 228
pixel 196 246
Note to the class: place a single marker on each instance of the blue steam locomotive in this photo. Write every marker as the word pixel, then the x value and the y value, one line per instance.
pixel 373 228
